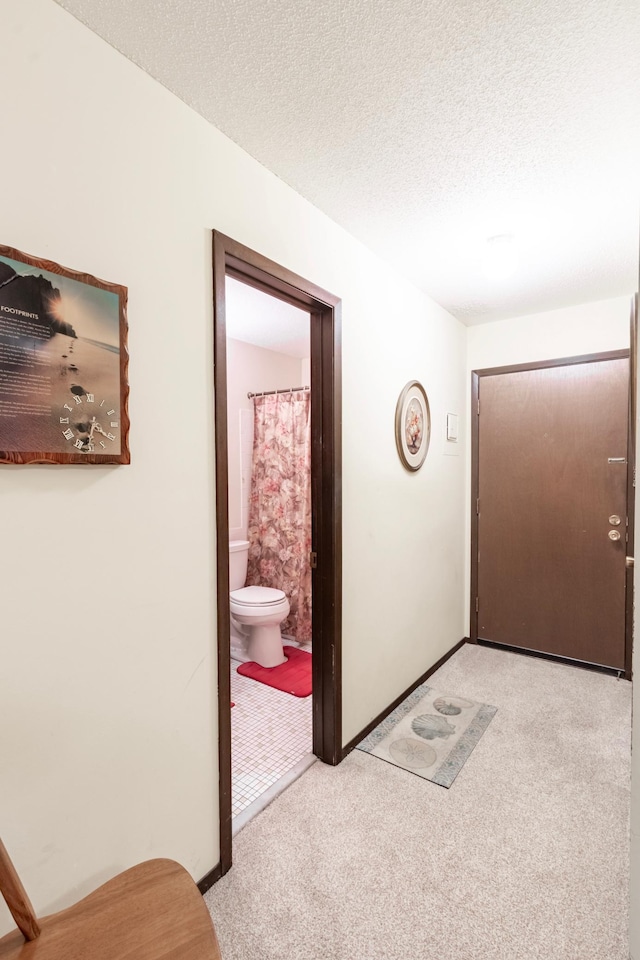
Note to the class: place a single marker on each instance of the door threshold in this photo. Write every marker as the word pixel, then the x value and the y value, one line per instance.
pixel 258 805
pixel 618 672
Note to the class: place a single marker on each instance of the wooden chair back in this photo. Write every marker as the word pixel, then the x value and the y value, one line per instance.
pixel 16 897
pixel 153 911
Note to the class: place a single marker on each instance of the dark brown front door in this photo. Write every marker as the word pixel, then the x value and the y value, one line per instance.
pixel 552 475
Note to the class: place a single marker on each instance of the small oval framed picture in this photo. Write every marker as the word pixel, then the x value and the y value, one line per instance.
pixel 413 425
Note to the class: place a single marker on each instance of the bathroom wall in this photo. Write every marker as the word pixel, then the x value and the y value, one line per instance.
pixel 586 328
pixel 108 667
pixel 249 369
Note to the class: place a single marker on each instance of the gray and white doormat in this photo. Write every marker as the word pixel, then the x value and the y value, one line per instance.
pixel 430 734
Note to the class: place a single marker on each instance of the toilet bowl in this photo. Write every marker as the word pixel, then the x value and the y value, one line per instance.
pixel 256 613
pixel 260 611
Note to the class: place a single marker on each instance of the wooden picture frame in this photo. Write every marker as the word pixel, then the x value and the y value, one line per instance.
pixel 413 425
pixel 63 364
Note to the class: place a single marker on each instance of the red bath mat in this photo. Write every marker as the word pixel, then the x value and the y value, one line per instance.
pixel 293 677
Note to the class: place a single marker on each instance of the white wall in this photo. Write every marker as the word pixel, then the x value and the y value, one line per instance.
pixel 109 742
pixel 634 888
pixel 571 331
pixel 249 369
pixel 634 891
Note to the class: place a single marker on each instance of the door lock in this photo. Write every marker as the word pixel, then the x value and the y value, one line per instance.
pixel 614 534
pixel 614 520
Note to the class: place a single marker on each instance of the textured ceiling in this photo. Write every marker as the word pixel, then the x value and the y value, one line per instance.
pixel 426 127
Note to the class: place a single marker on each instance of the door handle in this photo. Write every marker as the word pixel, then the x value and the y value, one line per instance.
pixel 614 534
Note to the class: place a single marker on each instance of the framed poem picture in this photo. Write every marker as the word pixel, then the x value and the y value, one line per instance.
pixel 413 425
pixel 63 364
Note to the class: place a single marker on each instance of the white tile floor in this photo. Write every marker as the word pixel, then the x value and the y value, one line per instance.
pixel 271 732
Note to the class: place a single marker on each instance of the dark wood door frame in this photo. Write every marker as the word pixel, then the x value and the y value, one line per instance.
pixel 475 435
pixel 235 260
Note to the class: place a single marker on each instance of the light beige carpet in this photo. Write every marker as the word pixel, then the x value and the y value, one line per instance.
pixel 526 858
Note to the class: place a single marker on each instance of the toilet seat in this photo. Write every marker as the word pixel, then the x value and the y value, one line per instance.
pixel 264 605
pixel 257 596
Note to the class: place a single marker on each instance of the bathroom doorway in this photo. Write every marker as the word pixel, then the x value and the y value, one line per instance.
pixel 269 470
pixel 242 276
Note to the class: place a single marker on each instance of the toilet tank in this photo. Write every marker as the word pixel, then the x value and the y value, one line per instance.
pixel 238 560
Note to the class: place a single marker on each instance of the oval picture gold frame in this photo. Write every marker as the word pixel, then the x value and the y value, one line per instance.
pixel 413 425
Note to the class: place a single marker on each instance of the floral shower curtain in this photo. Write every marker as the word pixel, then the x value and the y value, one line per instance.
pixel 280 504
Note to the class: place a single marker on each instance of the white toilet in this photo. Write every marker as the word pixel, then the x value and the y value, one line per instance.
pixel 256 613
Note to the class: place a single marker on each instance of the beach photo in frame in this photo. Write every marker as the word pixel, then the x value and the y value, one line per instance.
pixel 413 425
pixel 63 364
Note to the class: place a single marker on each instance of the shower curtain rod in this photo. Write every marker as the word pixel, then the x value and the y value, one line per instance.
pixel 269 393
